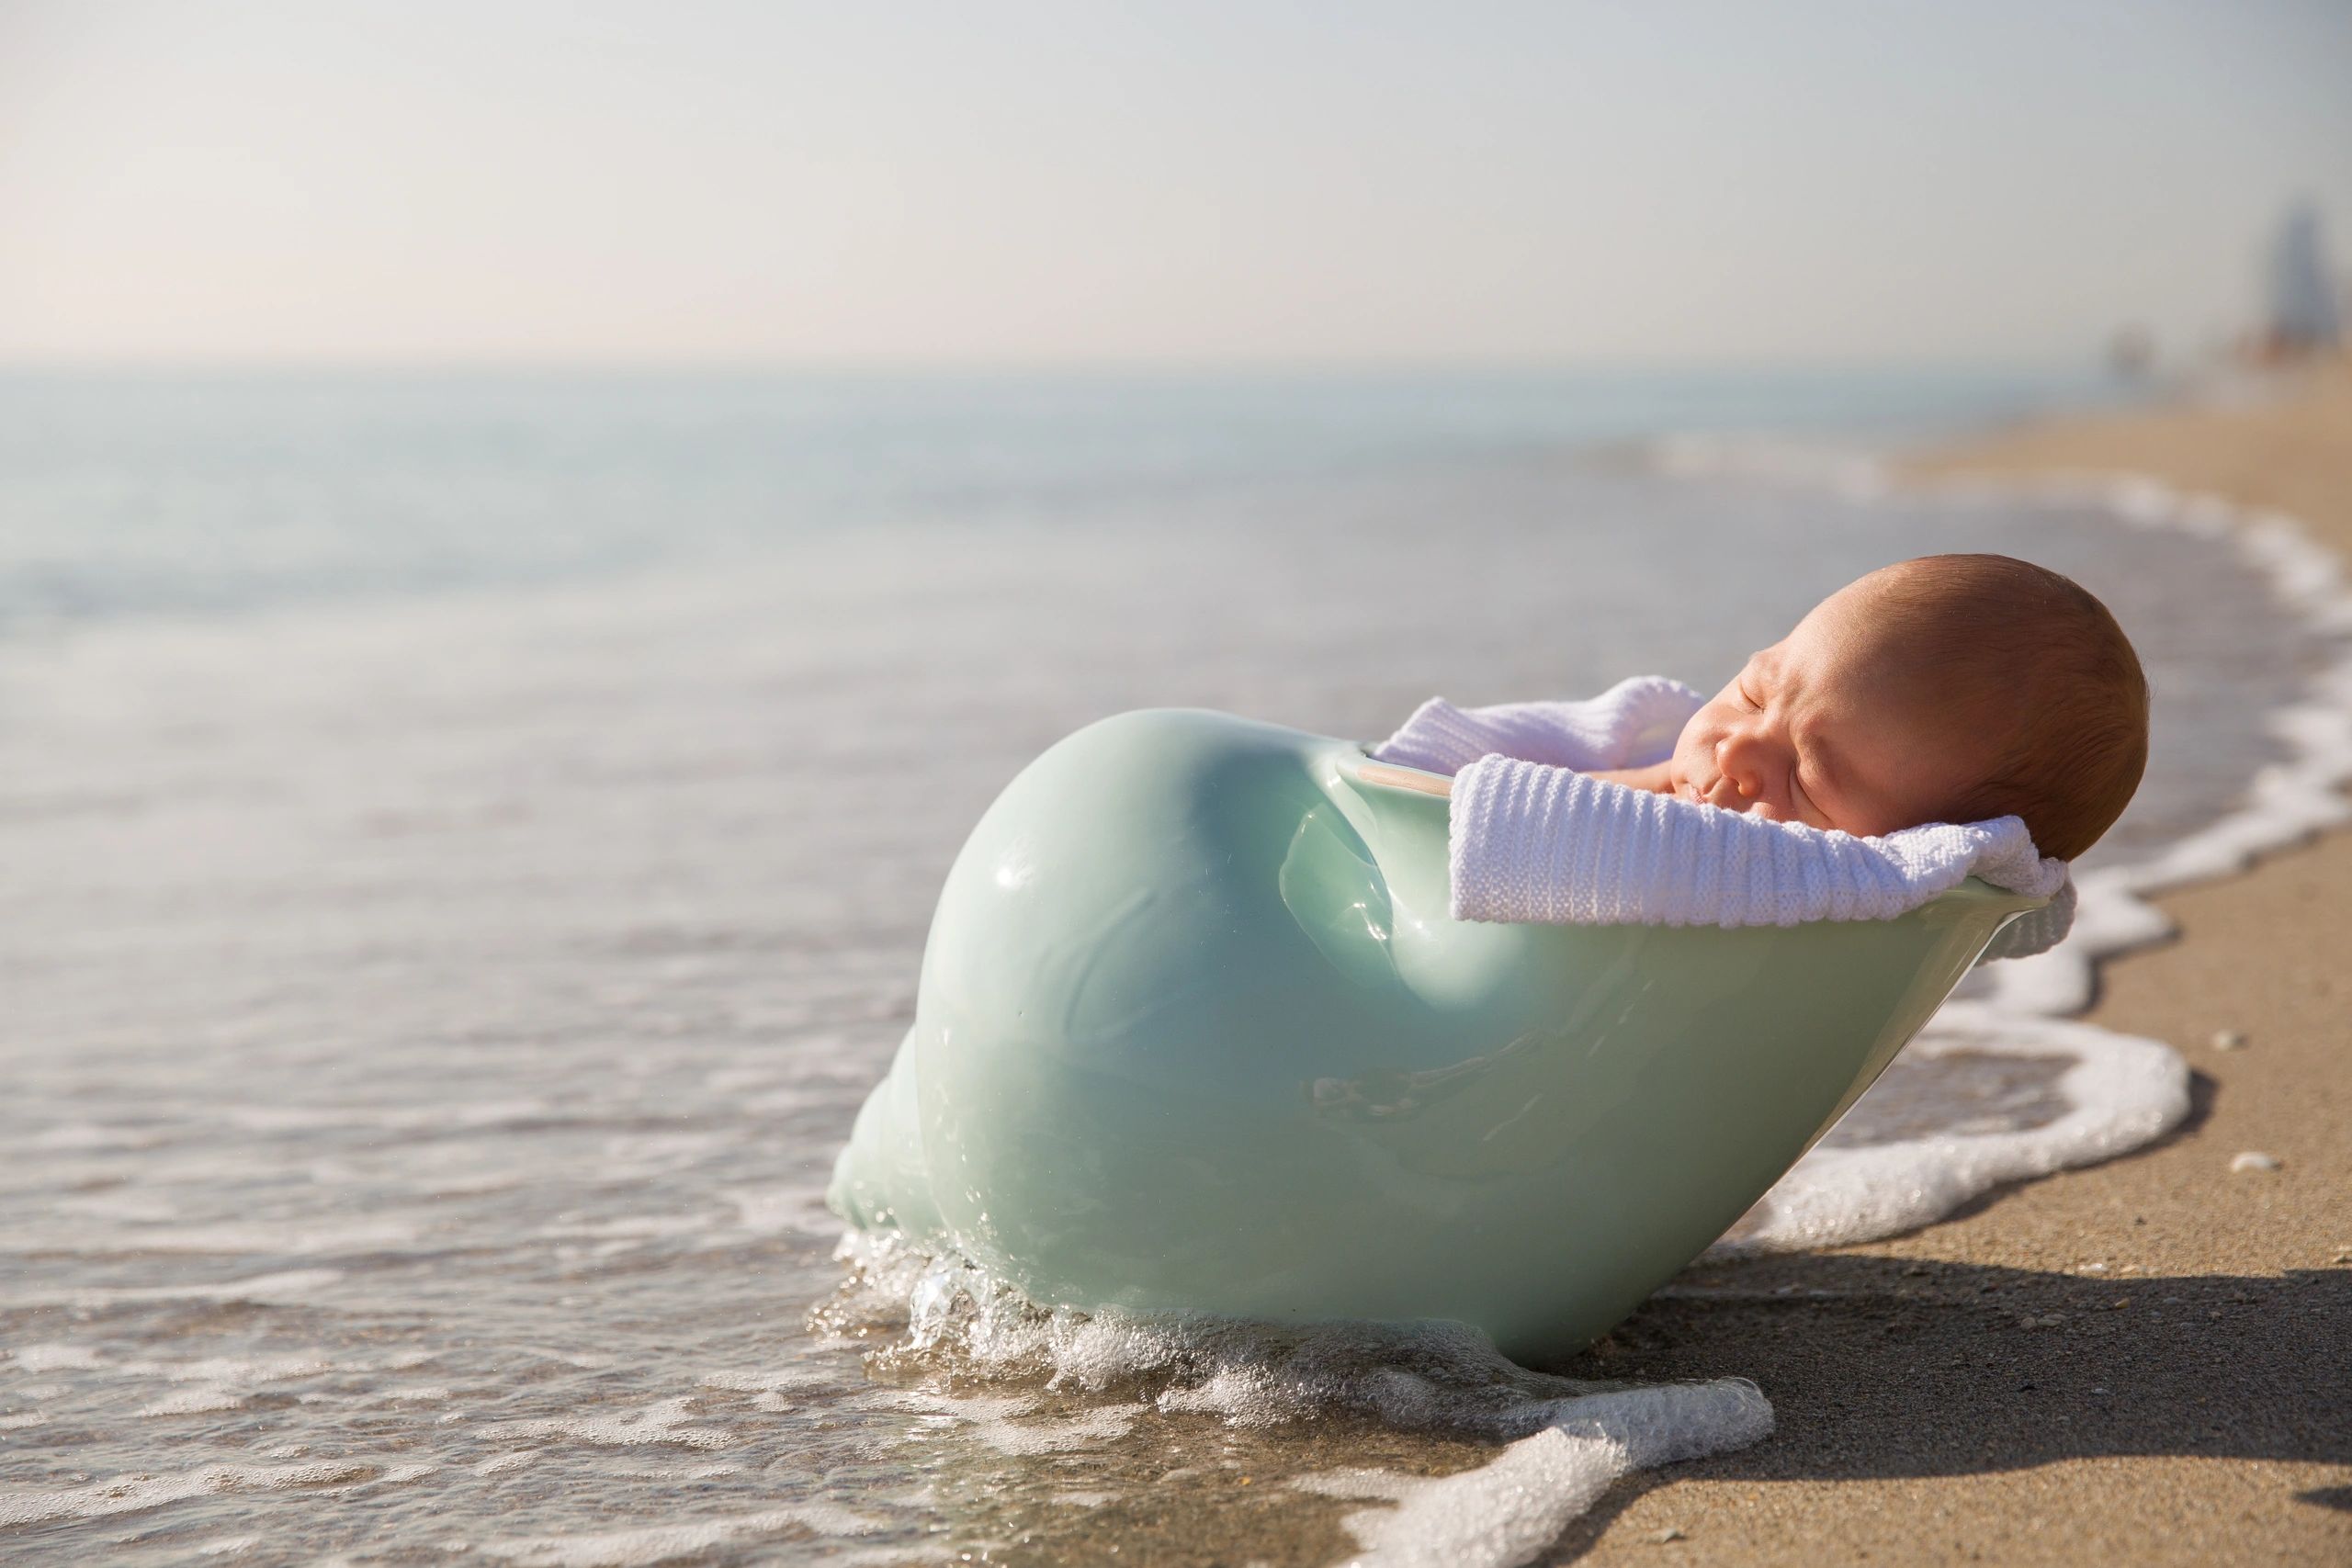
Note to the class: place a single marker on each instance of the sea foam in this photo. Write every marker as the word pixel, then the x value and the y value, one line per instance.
pixel 134 1493
pixel 1507 1511
pixel 667 1543
pixel 1563 1440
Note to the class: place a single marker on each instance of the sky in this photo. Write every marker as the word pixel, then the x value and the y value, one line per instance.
pixel 1143 183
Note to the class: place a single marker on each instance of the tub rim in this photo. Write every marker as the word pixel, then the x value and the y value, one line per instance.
pixel 1356 764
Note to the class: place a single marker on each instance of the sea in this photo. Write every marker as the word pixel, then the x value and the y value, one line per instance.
pixel 468 844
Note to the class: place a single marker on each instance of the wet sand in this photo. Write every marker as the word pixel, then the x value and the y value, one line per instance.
pixel 2149 1362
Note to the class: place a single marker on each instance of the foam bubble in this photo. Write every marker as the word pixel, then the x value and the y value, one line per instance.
pixel 766 1383
pixel 769 1390
pixel 664 1543
pixel 78 1137
pixel 991 1420
pixel 628 1227
pixel 378 1236
pixel 1564 1440
pixel 197 1401
pixel 775 1211
pixel 1507 1511
pixel 663 1423
pixel 456 1116
pixel 131 1493
pixel 284 1285
pixel 213 1383
pixel 1430 1375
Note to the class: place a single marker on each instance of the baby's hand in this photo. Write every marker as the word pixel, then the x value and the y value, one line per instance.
pixel 1652 778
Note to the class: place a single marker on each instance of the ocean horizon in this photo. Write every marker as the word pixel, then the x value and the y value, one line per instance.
pixel 129 490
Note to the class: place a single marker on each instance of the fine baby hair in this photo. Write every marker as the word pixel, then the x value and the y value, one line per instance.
pixel 2029 655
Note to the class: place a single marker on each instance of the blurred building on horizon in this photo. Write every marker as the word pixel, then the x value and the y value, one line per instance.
pixel 2304 314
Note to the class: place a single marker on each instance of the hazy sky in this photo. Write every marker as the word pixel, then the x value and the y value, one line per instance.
pixel 1112 181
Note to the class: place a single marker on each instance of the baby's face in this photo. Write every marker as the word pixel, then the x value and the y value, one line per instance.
pixel 1829 726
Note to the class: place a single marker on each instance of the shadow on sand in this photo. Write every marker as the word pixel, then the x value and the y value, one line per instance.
pixel 1889 1367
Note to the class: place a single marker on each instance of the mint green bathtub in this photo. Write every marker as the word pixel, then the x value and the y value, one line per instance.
pixel 1196 1030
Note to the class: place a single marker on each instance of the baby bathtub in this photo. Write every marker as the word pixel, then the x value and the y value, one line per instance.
pixel 1194 1031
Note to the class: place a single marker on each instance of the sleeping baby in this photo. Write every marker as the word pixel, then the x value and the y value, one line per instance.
pixel 1956 688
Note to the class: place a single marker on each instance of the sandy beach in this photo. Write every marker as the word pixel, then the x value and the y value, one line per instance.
pixel 2146 1361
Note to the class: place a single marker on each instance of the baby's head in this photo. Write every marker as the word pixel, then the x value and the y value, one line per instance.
pixel 1946 689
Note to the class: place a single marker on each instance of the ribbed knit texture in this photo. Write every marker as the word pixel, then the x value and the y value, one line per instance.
pixel 1533 840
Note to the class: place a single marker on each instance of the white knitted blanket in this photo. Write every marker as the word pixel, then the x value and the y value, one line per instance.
pixel 1531 839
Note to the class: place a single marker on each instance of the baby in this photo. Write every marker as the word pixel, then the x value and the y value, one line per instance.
pixel 1947 689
